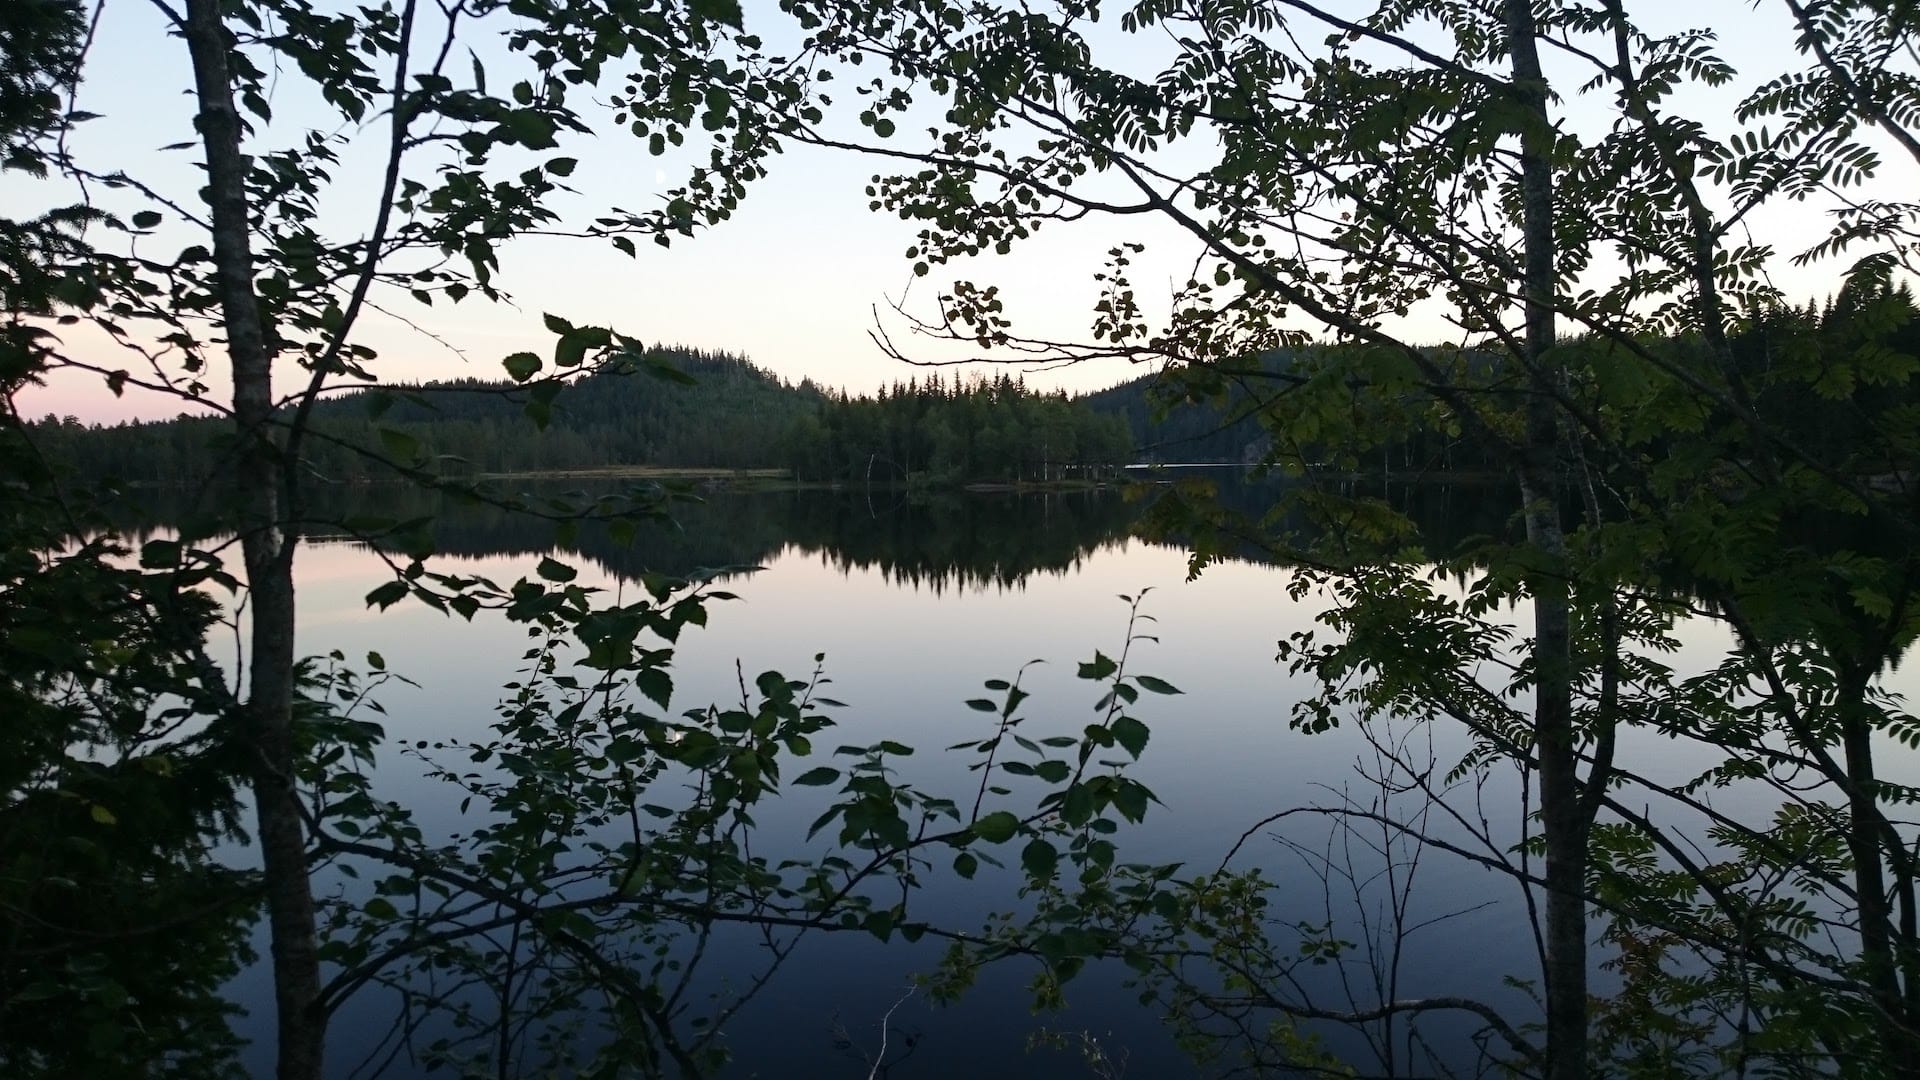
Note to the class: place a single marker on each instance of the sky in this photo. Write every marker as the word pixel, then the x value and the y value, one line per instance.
pixel 797 281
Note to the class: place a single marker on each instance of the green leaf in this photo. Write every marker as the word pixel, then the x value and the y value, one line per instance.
pixel 720 11
pixel 160 554
pixel 818 777
pixel 1078 807
pixel 102 815
pixel 661 368
pixel 656 684
pixel 40 991
pixel 823 820
pixel 387 595
pixel 554 570
pixel 1131 734
pixel 522 366
pixel 997 827
pixel 1039 858
pixel 571 349
pixel 1156 685
pixel 530 128
pixel 399 444
pixel 1100 667
pixel 381 908
pixel 562 166
pixel 965 864
pixel 146 219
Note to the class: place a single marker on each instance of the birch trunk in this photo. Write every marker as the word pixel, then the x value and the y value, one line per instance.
pixel 266 719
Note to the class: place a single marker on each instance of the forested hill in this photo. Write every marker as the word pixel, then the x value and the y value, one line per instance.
pixel 1187 432
pixel 716 410
pixel 725 413
pixel 1176 431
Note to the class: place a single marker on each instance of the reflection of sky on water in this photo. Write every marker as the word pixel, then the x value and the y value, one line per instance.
pixel 904 658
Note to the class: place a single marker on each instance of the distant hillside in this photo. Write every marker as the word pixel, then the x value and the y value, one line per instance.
pixel 719 417
pixel 674 407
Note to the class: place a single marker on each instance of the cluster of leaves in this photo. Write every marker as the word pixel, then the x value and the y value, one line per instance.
pixel 616 842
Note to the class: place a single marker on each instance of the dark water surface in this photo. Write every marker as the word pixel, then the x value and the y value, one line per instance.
pixel 914 603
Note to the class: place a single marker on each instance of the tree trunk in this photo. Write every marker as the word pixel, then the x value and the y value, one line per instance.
pixel 1563 820
pixel 267 717
pixel 1899 1043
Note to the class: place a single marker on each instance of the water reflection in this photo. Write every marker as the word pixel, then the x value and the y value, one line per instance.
pixel 939 541
pixel 936 540
pixel 915 601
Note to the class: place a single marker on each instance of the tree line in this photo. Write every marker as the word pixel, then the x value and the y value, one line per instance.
pixel 954 430
pixel 1224 413
pixel 718 410
pixel 676 407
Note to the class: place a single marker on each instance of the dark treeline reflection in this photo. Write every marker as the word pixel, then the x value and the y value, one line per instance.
pixel 964 540
pixel 953 540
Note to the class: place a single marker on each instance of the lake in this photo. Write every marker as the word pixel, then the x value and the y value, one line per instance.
pixel 914 602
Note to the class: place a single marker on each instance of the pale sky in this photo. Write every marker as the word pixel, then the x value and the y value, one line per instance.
pixel 791 282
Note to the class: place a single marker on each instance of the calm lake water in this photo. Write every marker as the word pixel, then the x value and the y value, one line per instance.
pixel 914 604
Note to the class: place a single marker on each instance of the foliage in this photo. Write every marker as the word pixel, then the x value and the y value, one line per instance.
pixel 1525 173
pixel 119 923
pixel 620 841
pixel 131 739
